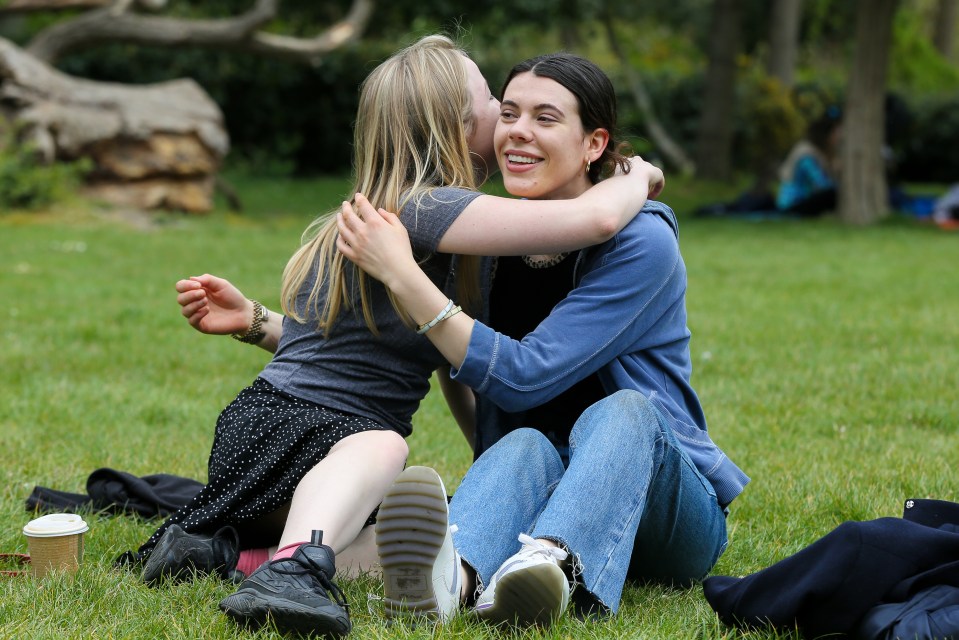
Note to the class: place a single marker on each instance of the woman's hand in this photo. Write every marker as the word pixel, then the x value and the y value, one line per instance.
pixel 653 174
pixel 377 242
pixel 213 305
pixel 374 240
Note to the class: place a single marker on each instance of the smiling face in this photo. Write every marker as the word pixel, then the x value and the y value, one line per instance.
pixel 486 110
pixel 540 143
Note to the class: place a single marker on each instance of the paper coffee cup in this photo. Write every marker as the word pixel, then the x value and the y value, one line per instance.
pixel 56 542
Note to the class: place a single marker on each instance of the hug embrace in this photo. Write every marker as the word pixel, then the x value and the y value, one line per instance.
pixel 564 359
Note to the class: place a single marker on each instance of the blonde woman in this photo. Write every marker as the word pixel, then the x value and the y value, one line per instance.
pixel 318 438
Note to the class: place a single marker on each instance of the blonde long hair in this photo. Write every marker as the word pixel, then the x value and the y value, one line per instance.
pixel 412 126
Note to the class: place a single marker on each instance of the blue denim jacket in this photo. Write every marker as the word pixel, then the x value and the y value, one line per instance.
pixel 626 320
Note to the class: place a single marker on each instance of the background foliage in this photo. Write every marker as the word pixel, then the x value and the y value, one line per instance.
pixel 28 183
pixel 285 118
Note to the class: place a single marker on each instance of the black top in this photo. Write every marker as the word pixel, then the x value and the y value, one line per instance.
pixel 521 297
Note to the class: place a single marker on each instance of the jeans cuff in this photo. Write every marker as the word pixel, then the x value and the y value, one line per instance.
pixel 478 589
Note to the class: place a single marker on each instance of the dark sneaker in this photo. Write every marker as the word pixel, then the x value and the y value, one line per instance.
pixel 180 555
pixel 297 593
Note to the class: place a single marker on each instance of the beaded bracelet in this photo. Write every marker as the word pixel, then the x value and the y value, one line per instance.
pixel 442 315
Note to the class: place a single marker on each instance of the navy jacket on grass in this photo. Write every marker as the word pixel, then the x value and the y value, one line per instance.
pixel 882 579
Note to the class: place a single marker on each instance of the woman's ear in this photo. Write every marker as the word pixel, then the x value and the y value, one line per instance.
pixel 596 142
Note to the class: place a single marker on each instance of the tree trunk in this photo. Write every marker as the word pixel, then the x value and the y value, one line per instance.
pixel 784 40
pixel 944 34
pixel 714 150
pixel 781 64
pixel 152 146
pixel 671 151
pixel 863 194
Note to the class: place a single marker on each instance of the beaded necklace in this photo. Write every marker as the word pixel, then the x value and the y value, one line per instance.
pixel 546 261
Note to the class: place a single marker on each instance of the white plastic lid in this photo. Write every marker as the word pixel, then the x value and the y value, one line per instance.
pixel 55 524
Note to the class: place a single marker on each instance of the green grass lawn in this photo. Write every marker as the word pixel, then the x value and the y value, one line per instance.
pixel 826 359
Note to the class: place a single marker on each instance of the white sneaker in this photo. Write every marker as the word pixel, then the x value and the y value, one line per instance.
pixel 529 589
pixel 421 568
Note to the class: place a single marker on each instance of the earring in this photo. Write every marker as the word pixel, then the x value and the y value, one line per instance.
pixel 587 165
pixel 485 165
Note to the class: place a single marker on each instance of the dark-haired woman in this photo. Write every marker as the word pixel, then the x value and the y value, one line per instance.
pixel 634 488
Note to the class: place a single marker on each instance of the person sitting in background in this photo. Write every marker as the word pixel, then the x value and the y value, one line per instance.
pixel 809 174
pixel 946 209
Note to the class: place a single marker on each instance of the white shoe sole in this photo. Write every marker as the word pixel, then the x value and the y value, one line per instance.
pixel 415 548
pixel 536 595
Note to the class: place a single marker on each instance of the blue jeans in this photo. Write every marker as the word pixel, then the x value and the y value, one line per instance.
pixel 629 505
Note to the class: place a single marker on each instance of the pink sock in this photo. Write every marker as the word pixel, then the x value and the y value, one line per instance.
pixel 251 559
pixel 287 551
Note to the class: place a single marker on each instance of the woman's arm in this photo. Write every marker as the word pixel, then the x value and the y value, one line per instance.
pixel 461 402
pixel 214 306
pixel 607 315
pixel 494 226
pixel 629 306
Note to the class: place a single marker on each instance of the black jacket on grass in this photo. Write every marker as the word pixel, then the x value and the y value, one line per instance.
pixel 119 492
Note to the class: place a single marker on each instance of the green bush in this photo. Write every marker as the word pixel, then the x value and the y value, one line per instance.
pixel 281 118
pixel 928 153
pixel 28 183
pixel 676 99
pixel 915 66
pixel 771 120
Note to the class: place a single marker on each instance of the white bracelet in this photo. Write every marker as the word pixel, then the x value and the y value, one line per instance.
pixel 442 315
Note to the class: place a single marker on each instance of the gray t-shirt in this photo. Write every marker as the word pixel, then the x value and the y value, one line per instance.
pixel 382 377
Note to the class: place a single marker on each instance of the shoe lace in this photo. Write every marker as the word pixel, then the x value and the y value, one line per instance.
pixel 308 567
pixel 531 546
pixel 374 604
pixel 535 547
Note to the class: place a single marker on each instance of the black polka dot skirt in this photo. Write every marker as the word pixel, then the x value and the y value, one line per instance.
pixel 265 442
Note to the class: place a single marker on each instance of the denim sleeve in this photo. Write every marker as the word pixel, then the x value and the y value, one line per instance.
pixel 624 303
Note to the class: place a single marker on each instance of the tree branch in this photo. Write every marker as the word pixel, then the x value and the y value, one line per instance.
pixel 311 50
pixel 671 151
pixel 28 6
pixel 114 24
pixel 239 33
